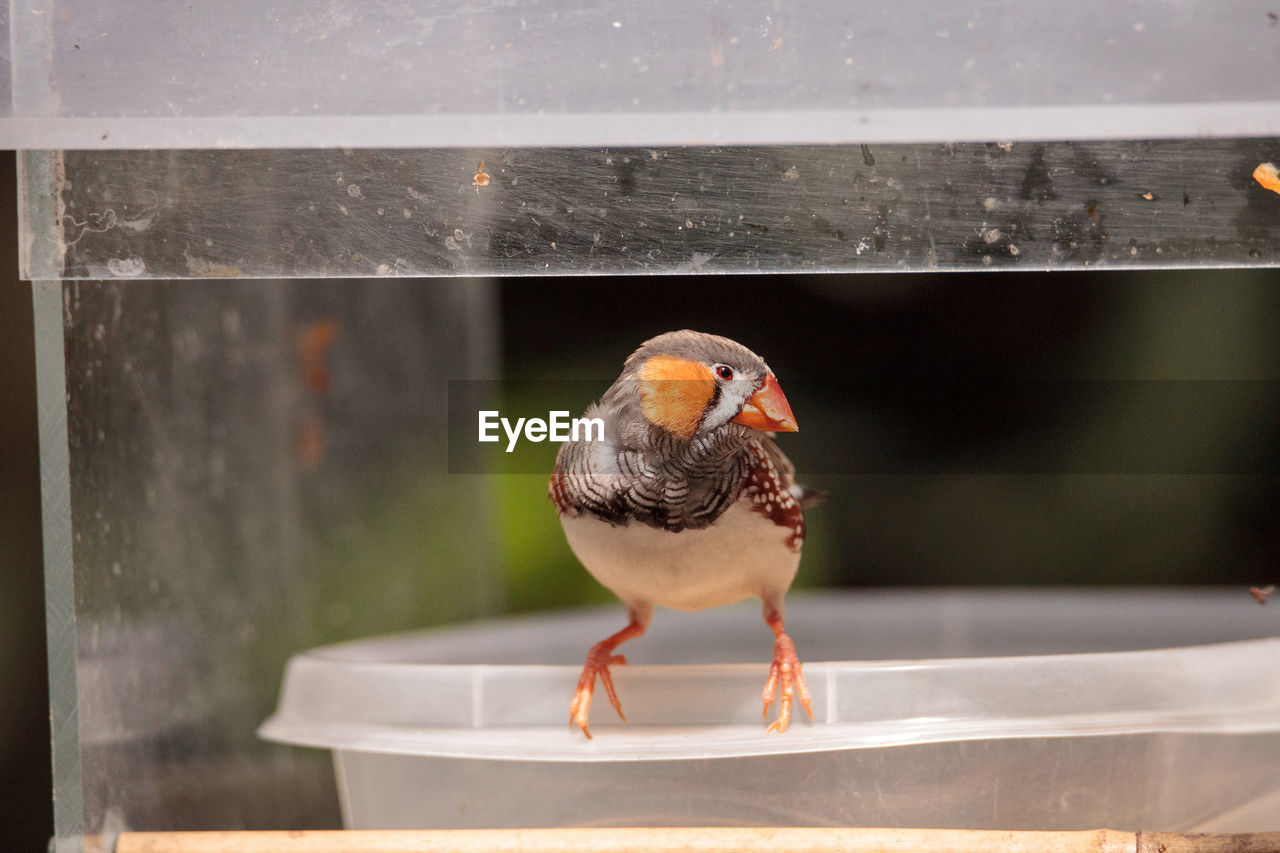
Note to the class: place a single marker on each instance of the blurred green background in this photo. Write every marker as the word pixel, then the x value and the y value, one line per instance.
pixel 953 500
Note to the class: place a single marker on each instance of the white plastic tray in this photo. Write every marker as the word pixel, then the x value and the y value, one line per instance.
pixel 956 729
pixel 429 694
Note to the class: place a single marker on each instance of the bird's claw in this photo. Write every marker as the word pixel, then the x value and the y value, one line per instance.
pixel 785 671
pixel 599 659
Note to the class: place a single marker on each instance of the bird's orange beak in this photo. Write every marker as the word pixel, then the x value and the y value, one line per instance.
pixel 768 409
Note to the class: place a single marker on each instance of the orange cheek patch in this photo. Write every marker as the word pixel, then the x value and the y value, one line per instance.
pixel 674 393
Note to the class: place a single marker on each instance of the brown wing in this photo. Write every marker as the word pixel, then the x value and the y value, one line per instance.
pixel 806 496
pixel 768 488
pixel 780 461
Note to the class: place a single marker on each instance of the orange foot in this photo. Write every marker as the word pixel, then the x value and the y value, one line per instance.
pixel 785 670
pixel 599 659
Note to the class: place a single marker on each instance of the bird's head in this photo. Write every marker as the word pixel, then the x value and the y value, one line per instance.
pixel 690 383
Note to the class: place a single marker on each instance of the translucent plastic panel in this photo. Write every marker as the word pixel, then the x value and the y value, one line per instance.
pixel 383 73
pixel 6 66
pixel 652 210
pixel 234 471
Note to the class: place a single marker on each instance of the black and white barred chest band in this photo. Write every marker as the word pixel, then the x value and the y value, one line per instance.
pixel 677 486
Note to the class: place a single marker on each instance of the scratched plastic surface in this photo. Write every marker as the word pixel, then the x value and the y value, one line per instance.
pixel 385 73
pixel 849 208
pixel 1105 715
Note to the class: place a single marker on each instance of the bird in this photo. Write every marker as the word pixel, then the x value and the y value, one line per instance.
pixel 686 501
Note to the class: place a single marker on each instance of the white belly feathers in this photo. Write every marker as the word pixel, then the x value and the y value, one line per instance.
pixel 742 555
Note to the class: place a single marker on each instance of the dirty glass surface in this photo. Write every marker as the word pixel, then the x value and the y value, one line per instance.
pixel 850 208
pixel 233 472
pixel 388 73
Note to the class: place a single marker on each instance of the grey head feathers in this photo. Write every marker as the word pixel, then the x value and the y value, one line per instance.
pixel 696 346
pixel 643 473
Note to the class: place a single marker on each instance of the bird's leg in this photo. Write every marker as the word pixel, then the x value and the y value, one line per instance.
pixel 785 669
pixel 599 659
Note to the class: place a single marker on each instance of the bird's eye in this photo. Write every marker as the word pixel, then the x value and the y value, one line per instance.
pixel 724 371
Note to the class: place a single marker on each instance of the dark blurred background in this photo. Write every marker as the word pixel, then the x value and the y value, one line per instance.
pixel 1012 428
pixel 971 429
pixel 26 810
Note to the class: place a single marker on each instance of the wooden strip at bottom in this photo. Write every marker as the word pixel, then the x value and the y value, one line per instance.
pixel 628 840
pixel 1207 842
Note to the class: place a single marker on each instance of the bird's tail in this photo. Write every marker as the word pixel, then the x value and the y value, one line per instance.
pixel 808 497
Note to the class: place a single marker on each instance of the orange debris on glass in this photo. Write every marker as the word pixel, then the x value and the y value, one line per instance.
pixel 311 441
pixel 481 178
pixel 313 343
pixel 1267 175
pixel 315 339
